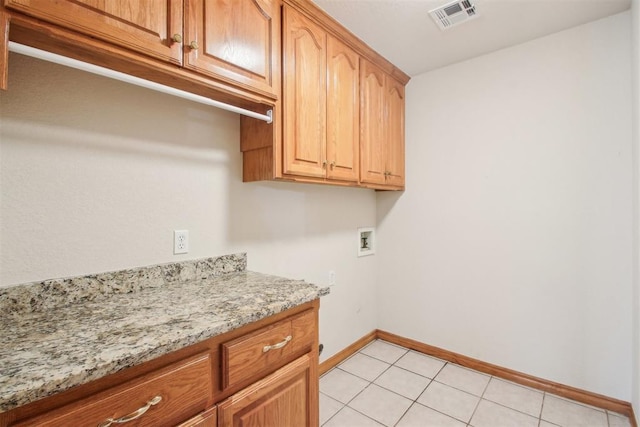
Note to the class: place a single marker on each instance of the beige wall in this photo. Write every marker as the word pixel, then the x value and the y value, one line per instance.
pixel 513 242
pixel 95 175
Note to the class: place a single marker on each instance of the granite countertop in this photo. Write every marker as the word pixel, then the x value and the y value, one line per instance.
pixel 60 333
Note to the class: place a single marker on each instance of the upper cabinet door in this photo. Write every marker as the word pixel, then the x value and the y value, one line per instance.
pixel 395 132
pixel 235 40
pixel 343 106
pixel 146 26
pixel 304 69
pixel 372 124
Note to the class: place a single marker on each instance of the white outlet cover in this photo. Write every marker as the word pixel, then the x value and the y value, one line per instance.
pixel 366 241
pixel 180 242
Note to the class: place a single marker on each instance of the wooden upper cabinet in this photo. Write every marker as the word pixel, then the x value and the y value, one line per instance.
pixel 237 40
pixel 146 26
pixel 372 126
pixel 304 95
pixel 382 128
pixel 321 77
pixel 394 105
pixel 343 106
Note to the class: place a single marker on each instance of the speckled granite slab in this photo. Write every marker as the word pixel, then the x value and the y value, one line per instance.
pixel 49 348
pixel 49 294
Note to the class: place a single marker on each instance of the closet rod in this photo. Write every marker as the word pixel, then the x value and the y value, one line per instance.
pixel 105 72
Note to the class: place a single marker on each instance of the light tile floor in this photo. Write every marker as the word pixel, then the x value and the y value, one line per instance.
pixel 387 385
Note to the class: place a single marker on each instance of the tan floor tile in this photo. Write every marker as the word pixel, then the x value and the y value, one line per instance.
pixel 384 351
pixel 513 396
pixel 489 414
pixel 403 382
pixel 347 417
pixel 568 414
pixel 421 416
pixel 420 364
pixel 463 379
pixel 618 420
pixel 450 401
pixel 328 407
pixel 341 385
pixel 380 404
pixel 364 366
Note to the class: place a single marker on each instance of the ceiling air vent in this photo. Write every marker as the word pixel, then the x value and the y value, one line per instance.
pixel 454 13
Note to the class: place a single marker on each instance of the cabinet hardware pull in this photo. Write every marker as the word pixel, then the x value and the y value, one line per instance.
pixel 267 348
pixel 194 45
pixel 324 164
pixel 333 165
pixel 132 416
pixel 177 38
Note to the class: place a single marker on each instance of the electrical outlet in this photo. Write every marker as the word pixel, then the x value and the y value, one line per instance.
pixel 180 241
pixel 332 278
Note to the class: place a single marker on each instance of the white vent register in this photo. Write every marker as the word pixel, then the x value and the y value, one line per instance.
pixel 454 13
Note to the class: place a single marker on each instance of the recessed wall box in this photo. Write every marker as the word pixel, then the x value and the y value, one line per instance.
pixel 366 241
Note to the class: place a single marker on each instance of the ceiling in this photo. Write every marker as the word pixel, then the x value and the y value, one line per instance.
pixel 403 32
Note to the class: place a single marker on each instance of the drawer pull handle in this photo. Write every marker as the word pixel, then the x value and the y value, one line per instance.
pixel 132 416
pixel 276 346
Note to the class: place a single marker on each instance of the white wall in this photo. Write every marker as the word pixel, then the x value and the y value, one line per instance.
pixel 635 45
pixel 512 243
pixel 95 175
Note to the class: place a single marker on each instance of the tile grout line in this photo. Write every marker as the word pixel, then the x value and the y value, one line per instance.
pixel 484 390
pixel 365 379
pixel 372 382
pixel 544 398
pixel 508 407
pixel 413 401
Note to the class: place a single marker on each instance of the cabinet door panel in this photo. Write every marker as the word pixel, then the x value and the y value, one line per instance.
pixel 395 132
pixel 304 46
pixel 142 25
pixel 343 111
pixel 282 399
pixel 208 418
pixel 237 40
pixel 372 124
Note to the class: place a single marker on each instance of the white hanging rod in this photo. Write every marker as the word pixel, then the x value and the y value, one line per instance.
pixel 105 72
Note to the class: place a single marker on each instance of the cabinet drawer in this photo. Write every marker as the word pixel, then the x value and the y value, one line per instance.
pixel 181 390
pixel 246 356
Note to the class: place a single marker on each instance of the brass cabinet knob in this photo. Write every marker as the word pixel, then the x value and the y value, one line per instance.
pixel 194 45
pixel 324 164
pixel 333 165
pixel 177 38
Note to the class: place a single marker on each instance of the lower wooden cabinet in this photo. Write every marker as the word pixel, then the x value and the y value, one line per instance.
pixel 283 399
pixel 264 374
pixel 161 398
pixel 208 418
